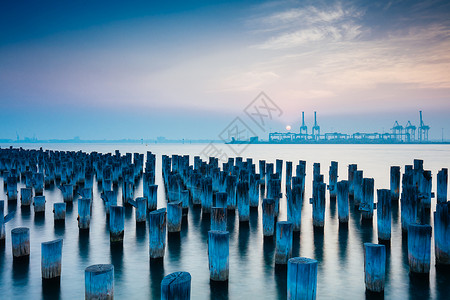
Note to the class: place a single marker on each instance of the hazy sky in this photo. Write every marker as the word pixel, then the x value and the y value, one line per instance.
pixel 185 69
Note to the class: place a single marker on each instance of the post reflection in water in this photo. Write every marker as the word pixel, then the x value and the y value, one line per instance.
pixel 281 281
pixel 156 276
pixel 218 290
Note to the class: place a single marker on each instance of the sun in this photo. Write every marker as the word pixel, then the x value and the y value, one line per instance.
pixel 288 127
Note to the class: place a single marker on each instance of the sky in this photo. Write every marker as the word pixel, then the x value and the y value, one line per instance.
pixel 187 69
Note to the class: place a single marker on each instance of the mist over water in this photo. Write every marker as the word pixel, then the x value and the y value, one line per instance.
pixel 253 275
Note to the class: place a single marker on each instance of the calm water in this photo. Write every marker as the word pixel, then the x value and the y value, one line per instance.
pixel 252 271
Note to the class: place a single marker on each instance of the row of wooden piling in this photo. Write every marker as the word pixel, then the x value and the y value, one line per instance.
pixel 235 187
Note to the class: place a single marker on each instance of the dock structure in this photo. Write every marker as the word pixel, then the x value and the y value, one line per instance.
pixel 398 135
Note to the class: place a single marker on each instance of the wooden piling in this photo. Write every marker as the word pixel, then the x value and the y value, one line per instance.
pixel 221 199
pixel 395 183
pixel 375 264
pixel 39 204
pixel 67 191
pixel 268 210
pixel 318 205
pixel 141 210
pixel 243 201
pixel 419 248
pixel 351 176
pixel 357 187
pixel 99 282
pixel 207 195
pixel 333 176
pixel 2 223
pixel 301 278
pixel 218 255
pixel 11 188
pixel 176 286
pixel 219 218
pixel 442 234
pixel 184 197
pixel 231 192
pixel 20 240
pixel 26 196
pixel 174 216
pixel 342 201
pixel 116 223
pixel 110 198
pixel 294 204
pixel 51 255
pixel 253 190
pixel 59 211
pixel 84 213
pixel 157 233
pixel 441 185
pixel 152 203
pixel 283 250
pixel 384 215
pixel 366 206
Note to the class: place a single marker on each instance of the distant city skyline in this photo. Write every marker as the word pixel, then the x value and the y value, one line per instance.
pixel 105 70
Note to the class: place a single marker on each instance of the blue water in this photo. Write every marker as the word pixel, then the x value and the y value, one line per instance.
pixel 252 271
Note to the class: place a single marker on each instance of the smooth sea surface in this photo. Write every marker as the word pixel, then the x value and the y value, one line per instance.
pixel 253 275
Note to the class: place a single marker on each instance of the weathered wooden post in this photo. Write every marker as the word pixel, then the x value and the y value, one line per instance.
pixel 268 208
pixel 425 189
pixel 231 192
pixel 20 240
pixel 26 196
pixel 243 201
pixel 366 205
pixel 375 264
pixel 67 191
pixel 39 205
pixel 294 204
pixel 207 195
pixel 318 208
pixel 84 213
pixel 157 233
pixel 218 255
pixel 11 188
pixel 152 197
pixel 219 218
pixel 110 199
pixel 301 278
pixel 288 176
pixel 283 250
pixel 357 187
pixel 59 212
pixel 441 188
pixel 176 286
pixel 51 255
pixel 351 176
pixel 141 210
pixel 276 193
pixel 384 216
pixel 395 183
pixel 116 223
pixel 221 199
pixel 342 201
pixel 184 197
pixel 442 234
pixel 174 217
pixel 99 282
pixel 38 183
pixel 333 174
pixel 279 167
pixel 419 248
pixel 262 176
pixel 253 190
